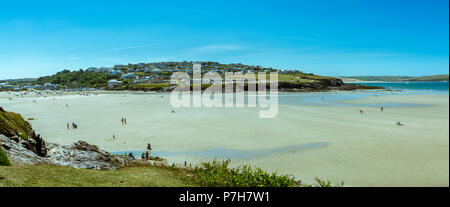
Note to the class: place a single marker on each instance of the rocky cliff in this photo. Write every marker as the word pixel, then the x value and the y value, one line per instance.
pixel 325 84
pixel 24 146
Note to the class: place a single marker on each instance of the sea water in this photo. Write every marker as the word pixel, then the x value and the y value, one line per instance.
pixel 413 86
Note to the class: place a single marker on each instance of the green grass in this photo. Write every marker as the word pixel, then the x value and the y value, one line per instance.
pixel 4 161
pixel 218 173
pixel 213 174
pixel 13 124
pixel 144 86
pixel 57 176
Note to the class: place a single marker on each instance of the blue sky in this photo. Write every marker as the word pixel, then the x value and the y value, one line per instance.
pixel 328 37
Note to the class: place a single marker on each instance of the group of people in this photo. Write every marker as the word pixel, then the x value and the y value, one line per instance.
pixel 397 123
pixel 144 156
pixel 362 112
pixel 74 126
pixel 124 121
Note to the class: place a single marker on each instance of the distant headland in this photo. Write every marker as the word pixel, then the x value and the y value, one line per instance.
pixel 431 78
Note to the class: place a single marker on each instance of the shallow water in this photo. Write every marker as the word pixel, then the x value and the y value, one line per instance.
pixel 341 98
pixel 225 153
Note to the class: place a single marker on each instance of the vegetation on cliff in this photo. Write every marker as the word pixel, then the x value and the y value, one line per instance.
pixel 4 161
pixel 218 173
pixel 79 78
pixel 13 124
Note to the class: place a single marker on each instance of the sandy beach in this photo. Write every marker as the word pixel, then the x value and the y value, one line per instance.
pixel 329 141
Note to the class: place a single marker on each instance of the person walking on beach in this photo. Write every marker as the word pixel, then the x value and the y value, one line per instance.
pixel 125 121
pixel 121 121
pixel 361 111
pixel 143 156
pixel 68 125
pixel 382 109
pixel 147 154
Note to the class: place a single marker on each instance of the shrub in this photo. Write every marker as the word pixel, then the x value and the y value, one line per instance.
pixel 4 161
pixel 217 173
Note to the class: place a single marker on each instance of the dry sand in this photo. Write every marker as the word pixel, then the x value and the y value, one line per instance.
pixel 330 142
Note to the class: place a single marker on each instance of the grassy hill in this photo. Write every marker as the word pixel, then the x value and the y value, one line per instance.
pixel 21 80
pixel 399 78
pixel 79 78
pixel 430 78
pixel 13 124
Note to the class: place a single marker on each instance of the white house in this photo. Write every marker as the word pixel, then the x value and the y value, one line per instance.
pixel 115 72
pixel 114 83
pixel 130 76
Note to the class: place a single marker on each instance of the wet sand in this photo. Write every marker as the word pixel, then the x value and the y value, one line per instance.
pixel 306 141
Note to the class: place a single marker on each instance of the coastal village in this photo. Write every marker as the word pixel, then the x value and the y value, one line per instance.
pixel 141 74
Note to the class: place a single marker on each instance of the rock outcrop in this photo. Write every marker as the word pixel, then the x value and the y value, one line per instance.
pixel 78 155
pixel 322 85
pixel 24 146
pixel 82 155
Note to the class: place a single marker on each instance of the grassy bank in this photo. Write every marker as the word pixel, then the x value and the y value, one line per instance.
pixel 13 124
pixel 57 176
pixel 211 174
pixel 4 160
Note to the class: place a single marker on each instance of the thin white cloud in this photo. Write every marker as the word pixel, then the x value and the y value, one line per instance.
pixel 74 58
pixel 126 48
pixel 215 48
pixel 320 41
